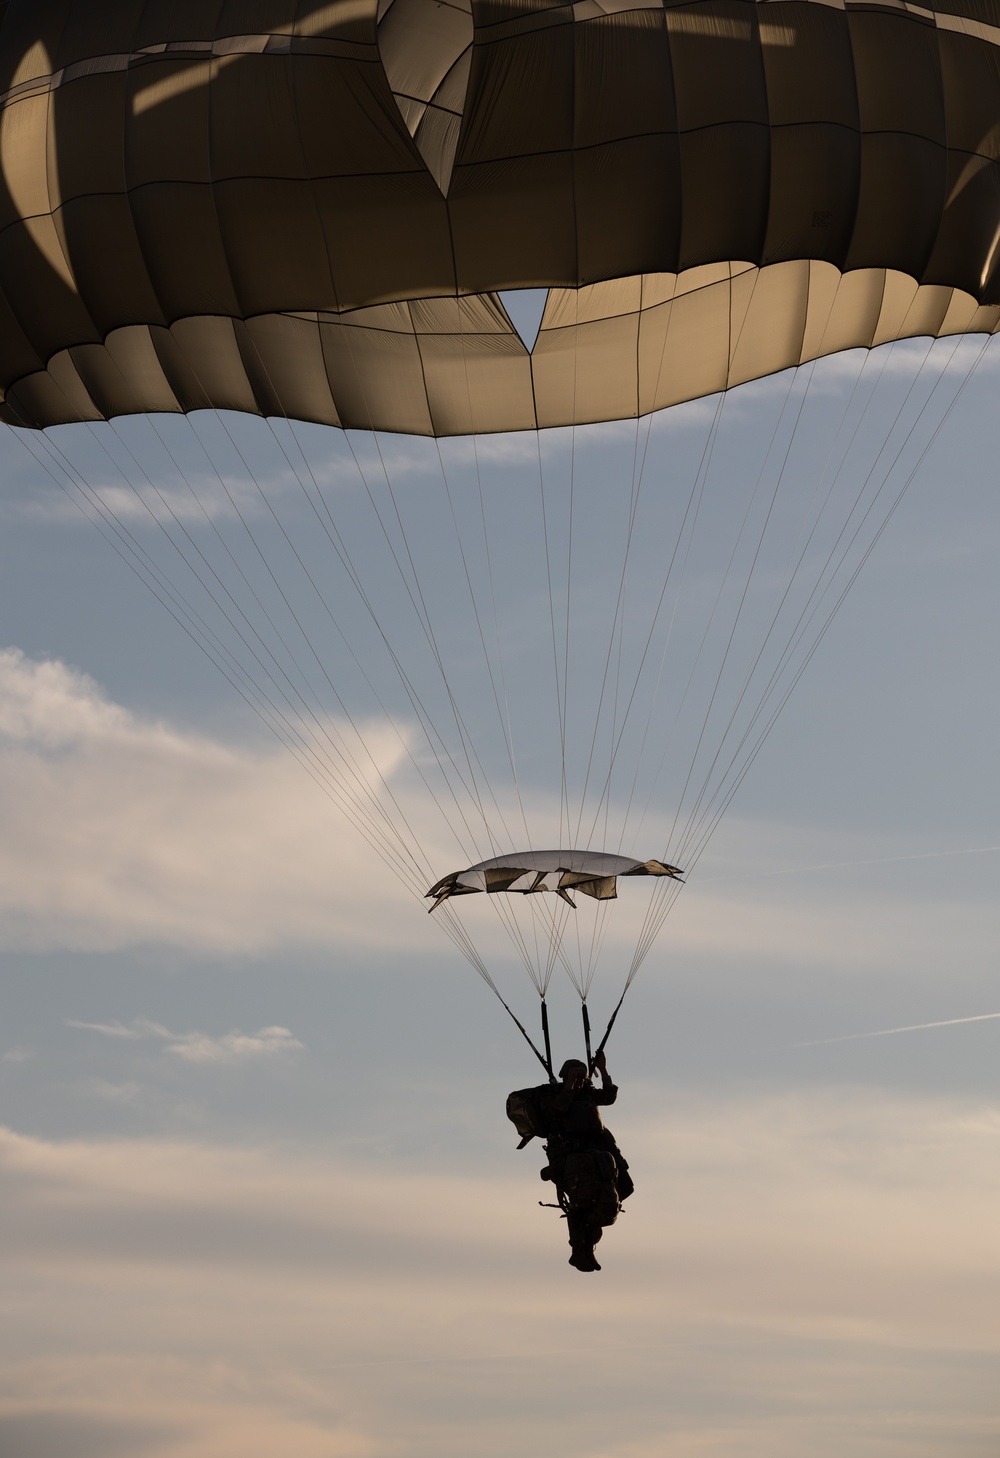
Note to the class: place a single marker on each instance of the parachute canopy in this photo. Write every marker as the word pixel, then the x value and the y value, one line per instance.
pixel 310 210
pixel 595 873
pixel 320 211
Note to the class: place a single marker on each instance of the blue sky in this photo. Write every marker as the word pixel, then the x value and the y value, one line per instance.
pixel 262 1195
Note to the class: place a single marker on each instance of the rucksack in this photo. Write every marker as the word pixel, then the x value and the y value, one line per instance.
pixel 527 1111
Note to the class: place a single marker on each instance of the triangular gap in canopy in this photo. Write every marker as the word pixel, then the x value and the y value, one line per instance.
pixel 525 308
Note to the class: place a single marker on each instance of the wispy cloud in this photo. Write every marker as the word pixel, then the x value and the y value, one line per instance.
pixel 200 1047
pixel 17 1055
pixel 207 499
pixel 139 1028
pixel 77 490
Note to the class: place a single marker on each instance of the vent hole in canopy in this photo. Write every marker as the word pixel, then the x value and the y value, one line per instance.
pixel 525 308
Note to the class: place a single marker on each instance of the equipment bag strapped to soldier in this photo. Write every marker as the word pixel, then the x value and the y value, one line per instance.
pixel 527 1110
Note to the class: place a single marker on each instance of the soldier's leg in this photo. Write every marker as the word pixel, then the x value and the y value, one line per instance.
pixel 583 1236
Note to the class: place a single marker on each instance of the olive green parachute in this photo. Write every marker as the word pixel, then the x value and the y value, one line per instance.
pixel 307 209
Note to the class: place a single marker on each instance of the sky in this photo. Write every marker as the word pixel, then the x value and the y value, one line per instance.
pixel 260 1192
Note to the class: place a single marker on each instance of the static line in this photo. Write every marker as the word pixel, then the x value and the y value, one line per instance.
pixel 888 1032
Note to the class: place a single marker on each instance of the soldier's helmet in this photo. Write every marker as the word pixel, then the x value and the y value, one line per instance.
pixel 572 1063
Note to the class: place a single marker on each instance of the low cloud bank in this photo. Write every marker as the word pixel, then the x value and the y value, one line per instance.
pixel 796 1278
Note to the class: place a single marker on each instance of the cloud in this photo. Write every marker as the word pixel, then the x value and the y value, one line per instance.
pixel 119 830
pixel 795 1274
pixel 52 707
pixel 72 478
pixel 200 1047
pixel 140 1028
pixel 17 1055
pixel 206 499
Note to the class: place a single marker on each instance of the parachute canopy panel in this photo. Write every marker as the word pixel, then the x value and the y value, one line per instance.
pixel 595 873
pixel 312 211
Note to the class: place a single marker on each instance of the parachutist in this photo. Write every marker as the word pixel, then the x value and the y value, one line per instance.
pixel 588 1167
pixel 584 1162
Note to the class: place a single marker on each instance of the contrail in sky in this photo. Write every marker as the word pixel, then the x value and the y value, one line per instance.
pixel 888 1032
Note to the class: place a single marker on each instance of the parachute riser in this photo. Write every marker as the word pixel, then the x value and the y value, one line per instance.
pixel 607 1031
pixel 546 1062
pixel 548 1043
pixel 586 1038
